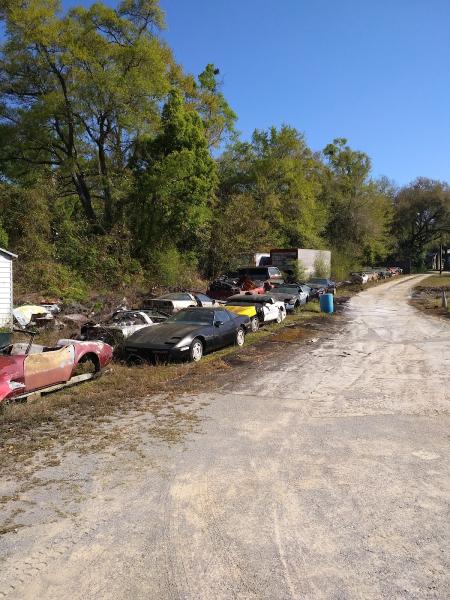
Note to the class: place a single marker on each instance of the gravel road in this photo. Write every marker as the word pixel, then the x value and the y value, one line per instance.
pixel 323 476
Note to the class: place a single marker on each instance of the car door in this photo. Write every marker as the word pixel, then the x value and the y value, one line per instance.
pixel 225 328
pixel 48 368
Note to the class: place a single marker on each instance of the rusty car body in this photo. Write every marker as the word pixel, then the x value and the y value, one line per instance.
pixel 26 367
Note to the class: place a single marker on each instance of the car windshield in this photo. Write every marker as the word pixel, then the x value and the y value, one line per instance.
pixel 320 281
pixel 198 317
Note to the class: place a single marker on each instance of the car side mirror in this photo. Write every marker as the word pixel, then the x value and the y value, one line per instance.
pixel 218 323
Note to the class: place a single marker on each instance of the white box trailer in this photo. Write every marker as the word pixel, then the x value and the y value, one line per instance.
pixel 6 292
pixel 285 259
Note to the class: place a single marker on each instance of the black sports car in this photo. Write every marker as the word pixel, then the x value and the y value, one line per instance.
pixel 189 333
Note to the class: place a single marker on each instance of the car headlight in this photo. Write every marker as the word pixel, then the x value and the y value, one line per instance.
pixel 182 344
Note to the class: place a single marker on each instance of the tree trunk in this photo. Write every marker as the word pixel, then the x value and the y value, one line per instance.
pixel 85 197
pixel 107 196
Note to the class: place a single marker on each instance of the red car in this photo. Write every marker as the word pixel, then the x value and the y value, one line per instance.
pixel 28 367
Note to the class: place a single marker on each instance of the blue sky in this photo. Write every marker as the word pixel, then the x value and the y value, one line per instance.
pixel 374 71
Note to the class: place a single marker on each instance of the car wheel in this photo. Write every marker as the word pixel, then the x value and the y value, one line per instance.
pixel 280 316
pixel 297 305
pixel 240 337
pixel 254 324
pixel 134 360
pixel 196 350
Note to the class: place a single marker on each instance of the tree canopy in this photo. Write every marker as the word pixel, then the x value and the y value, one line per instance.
pixel 116 166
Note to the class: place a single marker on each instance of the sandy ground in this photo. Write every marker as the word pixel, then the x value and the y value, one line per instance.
pixel 325 475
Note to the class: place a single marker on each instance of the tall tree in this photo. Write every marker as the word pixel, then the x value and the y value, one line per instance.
pixel 175 182
pixel 75 89
pixel 359 209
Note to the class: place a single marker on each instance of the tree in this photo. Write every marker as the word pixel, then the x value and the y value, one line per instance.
pixel 281 173
pixel 359 209
pixel 422 217
pixel 217 115
pixel 175 183
pixel 76 89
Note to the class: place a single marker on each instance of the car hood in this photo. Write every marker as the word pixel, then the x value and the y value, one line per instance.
pixel 243 311
pixel 163 332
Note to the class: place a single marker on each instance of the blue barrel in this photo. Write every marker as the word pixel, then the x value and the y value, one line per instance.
pixel 326 303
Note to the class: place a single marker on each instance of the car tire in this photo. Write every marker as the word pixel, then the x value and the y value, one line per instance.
pixel 240 337
pixel 254 324
pixel 297 305
pixel 196 350
pixel 134 360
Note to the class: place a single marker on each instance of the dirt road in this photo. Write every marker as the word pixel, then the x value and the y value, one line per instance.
pixel 324 476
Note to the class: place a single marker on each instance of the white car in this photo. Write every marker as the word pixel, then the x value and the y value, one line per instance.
pixel 268 309
pixel 173 302
pixel 120 325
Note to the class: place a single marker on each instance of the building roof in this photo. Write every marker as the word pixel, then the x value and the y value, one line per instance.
pixel 8 253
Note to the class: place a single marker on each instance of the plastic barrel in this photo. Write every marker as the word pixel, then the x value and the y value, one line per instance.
pixel 326 303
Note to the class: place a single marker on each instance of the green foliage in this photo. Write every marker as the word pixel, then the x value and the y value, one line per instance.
pixel 359 209
pixel 77 89
pixel 298 271
pixel 4 239
pixel 172 268
pixel 52 279
pixel 321 268
pixel 108 177
pixel 175 183
pixel 422 218
pixel 342 264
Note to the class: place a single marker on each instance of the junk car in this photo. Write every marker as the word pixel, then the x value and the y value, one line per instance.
pixel 245 310
pixel 188 334
pixel 293 297
pixel 27 367
pixel 361 278
pixel 318 283
pixel 120 325
pixel 175 301
pixel 268 308
pixel 223 287
pixel 272 274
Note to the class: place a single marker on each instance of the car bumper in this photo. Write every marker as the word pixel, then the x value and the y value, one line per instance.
pixel 153 354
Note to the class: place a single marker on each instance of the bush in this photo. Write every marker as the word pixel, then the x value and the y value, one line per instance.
pixel 170 268
pixel 321 268
pixel 342 264
pixel 51 279
pixel 296 272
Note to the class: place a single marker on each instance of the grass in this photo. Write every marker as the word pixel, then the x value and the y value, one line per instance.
pixel 436 281
pixel 427 295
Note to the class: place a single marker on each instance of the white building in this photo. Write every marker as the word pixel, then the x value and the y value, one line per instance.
pixel 6 288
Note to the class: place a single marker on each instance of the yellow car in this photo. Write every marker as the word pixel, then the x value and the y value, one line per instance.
pixel 246 311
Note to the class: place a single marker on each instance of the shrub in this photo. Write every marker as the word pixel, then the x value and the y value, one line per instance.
pixel 170 268
pixel 321 268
